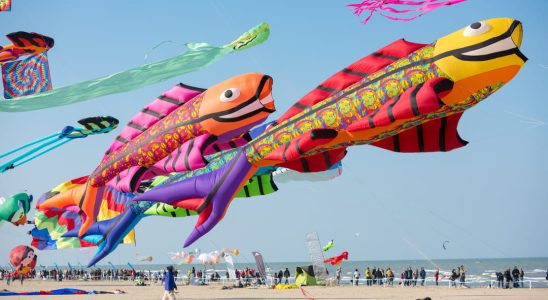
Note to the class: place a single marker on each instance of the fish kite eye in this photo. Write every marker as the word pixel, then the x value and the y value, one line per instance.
pixel 476 28
pixel 229 95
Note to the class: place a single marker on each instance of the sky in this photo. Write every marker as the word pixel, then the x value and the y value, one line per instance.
pixel 489 199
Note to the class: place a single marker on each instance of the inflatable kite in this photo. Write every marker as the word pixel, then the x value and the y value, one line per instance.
pixel 15 208
pixel 337 260
pixel 92 125
pixel 26 76
pixel 199 56
pixel 23 260
pixel 52 223
pixel 405 97
pixel 329 245
pixel 24 43
pixel 144 258
pixel 65 291
pixel 173 134
pixel 389 8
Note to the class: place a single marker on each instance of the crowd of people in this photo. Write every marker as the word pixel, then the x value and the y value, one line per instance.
pixel 408 277
pixel 511 279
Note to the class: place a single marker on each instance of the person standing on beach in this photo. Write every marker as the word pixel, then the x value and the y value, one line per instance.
pixel 169 285
pixel 515 275
pixel 356 277
pixel 462 275
pixel 338 274
pixel 437 275
pixel 286 275
pixel 521 275
pixel 422 275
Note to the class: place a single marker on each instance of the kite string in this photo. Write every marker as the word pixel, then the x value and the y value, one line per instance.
pixel 158 46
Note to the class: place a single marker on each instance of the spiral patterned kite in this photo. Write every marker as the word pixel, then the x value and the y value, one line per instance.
pixel 26 76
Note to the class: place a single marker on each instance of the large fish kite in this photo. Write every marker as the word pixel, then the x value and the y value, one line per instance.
pixel 200 55
pixel 405 97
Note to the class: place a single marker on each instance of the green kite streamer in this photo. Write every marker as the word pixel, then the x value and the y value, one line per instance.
pixel 199 56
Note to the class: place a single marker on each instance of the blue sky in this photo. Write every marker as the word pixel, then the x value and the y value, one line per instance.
pixel 488 198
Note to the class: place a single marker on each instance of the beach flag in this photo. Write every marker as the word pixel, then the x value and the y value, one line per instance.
pixel 230 266
pixel 26 76
pixel 260 263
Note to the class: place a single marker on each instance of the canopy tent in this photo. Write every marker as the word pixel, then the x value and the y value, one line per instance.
pixel 305 276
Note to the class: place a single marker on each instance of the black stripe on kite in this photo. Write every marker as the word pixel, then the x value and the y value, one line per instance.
pixel 283 153
pixel 420 137
pixel 443 125
pixel 136 126
pixel 348 71
pixel 261 190
pixel 246 191
pixel 396 142
pixel 300 106
pixel 153 113
pixel 377 54
pixel 326 159
pixel 390 107
pixel 304 163
pixel 413 100
pixel 299 150
pixel 187 154
pixel 190 87
pixel 121 139
pixel 170 100
pixel 166 162
pixel 327 89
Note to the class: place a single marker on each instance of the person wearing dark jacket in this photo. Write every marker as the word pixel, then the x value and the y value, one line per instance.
pixel 286 275
pixel 169 285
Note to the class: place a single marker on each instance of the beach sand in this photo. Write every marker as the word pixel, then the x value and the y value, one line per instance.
pixel 214 291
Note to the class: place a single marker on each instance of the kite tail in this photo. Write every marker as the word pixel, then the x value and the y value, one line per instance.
pixel 209 194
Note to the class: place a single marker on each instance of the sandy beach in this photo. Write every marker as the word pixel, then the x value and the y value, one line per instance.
pixel 215 291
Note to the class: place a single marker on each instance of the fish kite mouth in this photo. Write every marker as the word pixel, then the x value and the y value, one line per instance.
pixel 499 46
pixel 252 106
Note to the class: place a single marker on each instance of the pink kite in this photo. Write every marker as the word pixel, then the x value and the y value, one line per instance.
pixel 387 6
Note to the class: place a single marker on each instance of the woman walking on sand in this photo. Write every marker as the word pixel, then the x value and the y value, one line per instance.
pixel 169 285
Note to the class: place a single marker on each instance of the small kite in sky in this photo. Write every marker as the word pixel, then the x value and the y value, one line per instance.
pixel 391 8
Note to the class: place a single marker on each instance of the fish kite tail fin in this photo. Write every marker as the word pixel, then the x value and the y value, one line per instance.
pixel 208 194
pixel 110 233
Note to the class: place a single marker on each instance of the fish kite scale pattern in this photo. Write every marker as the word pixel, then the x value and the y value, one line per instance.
pixel 26 76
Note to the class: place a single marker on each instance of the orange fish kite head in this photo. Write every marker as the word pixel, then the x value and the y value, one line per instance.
pixel 236 105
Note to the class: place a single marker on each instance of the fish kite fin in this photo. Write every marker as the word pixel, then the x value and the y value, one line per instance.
pixel 299 147
pixel 317 162
pixel 438 135
pixel 352 74
pixel 113 233
pixel 209 194
pixel 154 112
pixel 187 157
pixel 418 100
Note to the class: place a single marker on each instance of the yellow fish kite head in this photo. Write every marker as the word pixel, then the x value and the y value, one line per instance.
pixel 240 102
pixel 480 55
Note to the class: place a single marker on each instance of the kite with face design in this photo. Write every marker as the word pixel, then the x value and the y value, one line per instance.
pixel 173 134
pixel 420 92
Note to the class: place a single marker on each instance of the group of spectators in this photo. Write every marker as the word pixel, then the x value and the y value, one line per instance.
pixel 513 278
pixel 408 277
